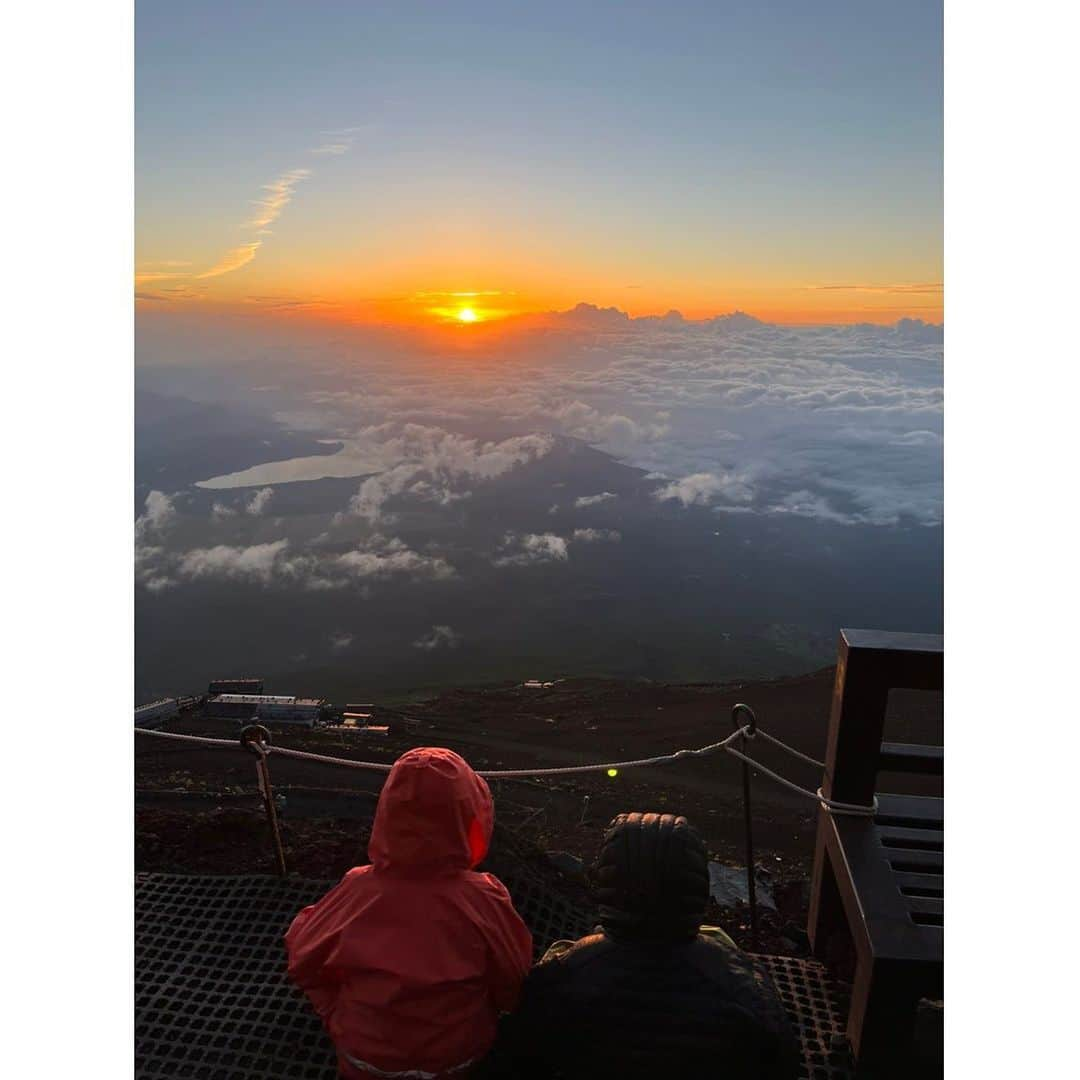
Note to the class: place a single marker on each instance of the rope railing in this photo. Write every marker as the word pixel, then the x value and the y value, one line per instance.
pixel 224 744
pixel 791 749
pixel 256 740
pixel 749 730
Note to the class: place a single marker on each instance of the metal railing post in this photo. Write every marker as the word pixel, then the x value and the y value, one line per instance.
pixel 748 817
pixel 256 738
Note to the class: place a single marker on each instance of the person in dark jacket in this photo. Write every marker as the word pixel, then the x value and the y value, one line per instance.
pixel 648 995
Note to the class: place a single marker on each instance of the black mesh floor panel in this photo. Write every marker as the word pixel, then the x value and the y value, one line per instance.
pixel 812 1005
pixel 212 1001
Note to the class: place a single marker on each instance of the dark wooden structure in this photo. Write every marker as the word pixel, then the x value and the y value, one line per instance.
pixel 880 879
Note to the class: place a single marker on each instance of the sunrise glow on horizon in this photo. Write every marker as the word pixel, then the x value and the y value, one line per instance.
pixel 469 168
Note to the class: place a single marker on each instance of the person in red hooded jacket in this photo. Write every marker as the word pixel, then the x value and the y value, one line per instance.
pixel 410 960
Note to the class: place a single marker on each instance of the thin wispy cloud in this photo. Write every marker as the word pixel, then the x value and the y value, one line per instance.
pixel 593 500
pixel 337 142
pixel 927 287
pixel 427 295
pixel 278 195
pixel 148 277
pixel 268 209
pixel 287 303
pixel 232 260
pixel 441 636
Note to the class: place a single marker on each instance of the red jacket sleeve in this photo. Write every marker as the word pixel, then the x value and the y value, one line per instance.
pixel 509 945
pixel 310 941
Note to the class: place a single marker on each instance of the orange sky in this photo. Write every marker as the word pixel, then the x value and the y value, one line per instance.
pixel 468 304
pixel 367 161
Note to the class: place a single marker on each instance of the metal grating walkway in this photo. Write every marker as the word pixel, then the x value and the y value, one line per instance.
pixel 212 1001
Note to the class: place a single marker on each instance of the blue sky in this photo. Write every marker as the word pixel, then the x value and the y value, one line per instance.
pixel 693 142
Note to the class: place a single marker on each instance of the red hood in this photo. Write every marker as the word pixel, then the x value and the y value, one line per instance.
pixel 434 813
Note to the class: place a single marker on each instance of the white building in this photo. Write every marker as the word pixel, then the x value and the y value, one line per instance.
pixel 154 714
pixel 273 708
pixel 305 711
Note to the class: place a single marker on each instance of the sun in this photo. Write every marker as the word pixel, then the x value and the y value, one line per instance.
pixel 466 314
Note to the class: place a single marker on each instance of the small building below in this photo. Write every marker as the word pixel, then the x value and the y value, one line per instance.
pixel 155 713
pixel 270 708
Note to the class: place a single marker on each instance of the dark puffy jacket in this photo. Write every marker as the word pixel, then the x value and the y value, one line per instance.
pixel 648 996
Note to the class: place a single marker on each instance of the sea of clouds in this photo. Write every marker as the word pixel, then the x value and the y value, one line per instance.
pixel 836 423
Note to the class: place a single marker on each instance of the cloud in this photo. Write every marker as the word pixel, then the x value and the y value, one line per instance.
pixel 393 558
pixel 374 492
pixel 586 422
pixel 268 209
pixel 593 317
pixel 437 493
pixel 288 303
pixel 280 563
pixel 927 287
pixel 336 142
pixel 772 407
pixel 232 260
pixel 812 505
pixel 277 195
pixel 158 513
pixel 701 489
pixel 254 563
pixel 594 500
pixel 440 636
pixel 433 464
pixel 592 536
pixel 149 277
pixel 426 295
pixel 923 332
pixel 259 501
pixel 333 148
pixel 148 570
pixel 917 438
pixel 531 548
